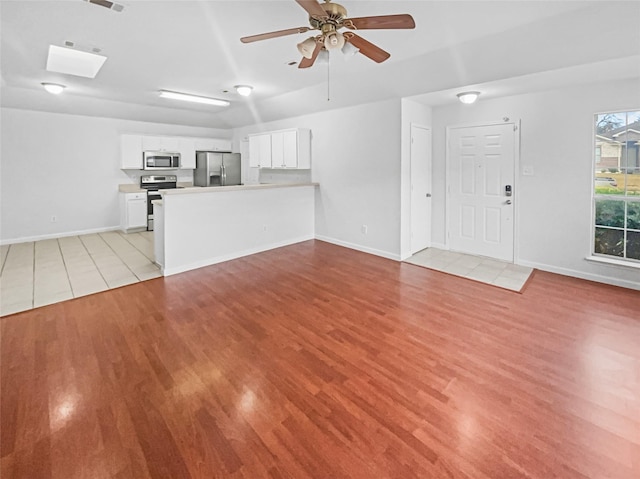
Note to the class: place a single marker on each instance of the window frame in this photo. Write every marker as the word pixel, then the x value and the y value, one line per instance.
pixel 601 257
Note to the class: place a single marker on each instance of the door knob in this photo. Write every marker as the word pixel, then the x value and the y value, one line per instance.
pixel 508 202
pixel 428 195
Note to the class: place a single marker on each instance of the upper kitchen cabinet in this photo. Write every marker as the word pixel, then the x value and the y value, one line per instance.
pixel 131 152
pixel 132 147
pixel 187 150
pixel 281 149
pixel 260 150
pixel 161 143
pixel 212 144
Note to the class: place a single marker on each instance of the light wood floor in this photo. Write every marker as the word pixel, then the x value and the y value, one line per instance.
pixel 315 361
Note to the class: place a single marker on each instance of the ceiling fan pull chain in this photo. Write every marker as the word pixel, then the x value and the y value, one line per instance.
pixel 329 79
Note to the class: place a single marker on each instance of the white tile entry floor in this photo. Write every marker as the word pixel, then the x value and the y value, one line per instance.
pixel 486 270
pixel 49 271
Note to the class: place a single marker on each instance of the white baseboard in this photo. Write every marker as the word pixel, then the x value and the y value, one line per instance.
pixel 235 255
pixel 28 239
pixel 357 247
pixel 581 274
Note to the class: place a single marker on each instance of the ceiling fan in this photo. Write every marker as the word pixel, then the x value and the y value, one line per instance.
pixel 329 18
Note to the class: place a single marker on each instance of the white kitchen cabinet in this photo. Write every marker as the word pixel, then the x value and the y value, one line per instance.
pixel 132 147
pixel 292 156
pixel 131 152
pixel 133 211
pixel 187 150
pixel 212 144
pixel 286 149
pixel 260 150
pixel 160 143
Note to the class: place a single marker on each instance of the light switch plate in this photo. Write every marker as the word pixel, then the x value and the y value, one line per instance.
pixel 527 171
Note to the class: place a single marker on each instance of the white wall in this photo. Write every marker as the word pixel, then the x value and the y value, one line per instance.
pixel 355 157
pixel 413 113
pixel 553 206
pixel 67 166
pixel 208 227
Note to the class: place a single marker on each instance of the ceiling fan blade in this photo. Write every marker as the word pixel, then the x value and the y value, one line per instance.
pixel 313 8
pixel 368 49
pixel 307 62
pixel 279 33
pixel 381 22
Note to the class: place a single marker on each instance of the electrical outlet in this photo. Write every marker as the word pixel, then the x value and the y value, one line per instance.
pixel 54 219
pixel 363 229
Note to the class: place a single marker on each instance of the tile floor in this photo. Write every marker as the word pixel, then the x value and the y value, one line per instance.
pixel 44 272
pixel 486 270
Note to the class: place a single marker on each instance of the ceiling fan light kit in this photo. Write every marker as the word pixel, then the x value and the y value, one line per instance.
pixel 330 17
pixel 307 47
pixel 468 97
pixel 334 41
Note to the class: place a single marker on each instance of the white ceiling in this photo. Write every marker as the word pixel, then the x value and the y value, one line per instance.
pixel 498 47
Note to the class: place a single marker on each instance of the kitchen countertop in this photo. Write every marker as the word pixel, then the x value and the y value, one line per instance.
pixel 188 188
pixel 135 187
pixel 222 189
pixel 130 188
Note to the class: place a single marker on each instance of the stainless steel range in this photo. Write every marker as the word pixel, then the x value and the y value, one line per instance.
pixel 153 183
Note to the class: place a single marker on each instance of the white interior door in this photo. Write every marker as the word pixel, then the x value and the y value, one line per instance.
pixel 420 188
pixel 481 166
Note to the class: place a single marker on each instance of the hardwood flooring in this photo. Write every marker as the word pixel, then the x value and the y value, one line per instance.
pixel 315 361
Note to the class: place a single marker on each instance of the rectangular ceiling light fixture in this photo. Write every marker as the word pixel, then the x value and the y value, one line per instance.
pixel 74 62
pixel 193 98
pixel 107 4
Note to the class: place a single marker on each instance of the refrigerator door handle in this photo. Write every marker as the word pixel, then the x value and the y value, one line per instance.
pixel 223 176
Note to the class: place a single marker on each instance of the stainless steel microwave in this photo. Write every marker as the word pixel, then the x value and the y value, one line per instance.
pixel 160 160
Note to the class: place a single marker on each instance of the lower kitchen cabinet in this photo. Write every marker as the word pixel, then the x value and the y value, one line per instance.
pixel 133 211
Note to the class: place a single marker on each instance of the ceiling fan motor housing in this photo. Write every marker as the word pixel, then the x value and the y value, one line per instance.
pixel 336 13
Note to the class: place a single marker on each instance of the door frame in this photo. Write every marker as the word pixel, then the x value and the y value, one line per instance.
pixel 516 174
pixel 430 167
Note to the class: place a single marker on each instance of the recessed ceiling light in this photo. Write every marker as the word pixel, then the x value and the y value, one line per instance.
pixel 174 95
pixel 74 62
pixel 54 88
pixel 244 90
pixel 468 97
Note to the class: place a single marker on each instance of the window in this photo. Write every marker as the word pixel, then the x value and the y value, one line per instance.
pixel 616 196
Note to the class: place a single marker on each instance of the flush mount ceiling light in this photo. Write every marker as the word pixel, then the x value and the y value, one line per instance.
pixel 54 88
pixel 468 97
pixel 74 62
pixel 244 90
pixel 173 95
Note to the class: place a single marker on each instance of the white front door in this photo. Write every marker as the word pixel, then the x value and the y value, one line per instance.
pixel 481 169
pixel 420 188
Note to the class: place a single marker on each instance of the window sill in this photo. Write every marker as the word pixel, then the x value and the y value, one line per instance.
pixel 613 262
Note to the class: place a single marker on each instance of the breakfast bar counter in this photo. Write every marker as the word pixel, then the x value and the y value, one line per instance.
pixel 196 227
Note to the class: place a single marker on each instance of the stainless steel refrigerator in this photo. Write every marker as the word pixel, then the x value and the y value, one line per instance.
pixel 216 169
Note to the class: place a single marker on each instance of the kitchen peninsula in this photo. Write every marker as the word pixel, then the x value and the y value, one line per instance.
pixel 196 227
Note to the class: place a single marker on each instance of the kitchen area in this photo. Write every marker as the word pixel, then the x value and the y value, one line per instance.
pixel 217 213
